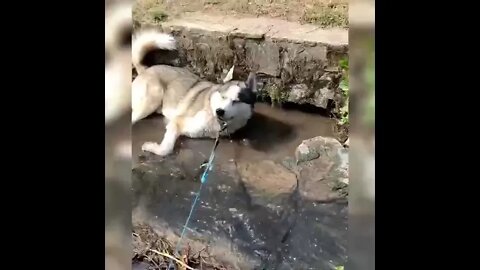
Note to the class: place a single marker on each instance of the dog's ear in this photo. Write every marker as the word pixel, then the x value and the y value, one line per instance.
pixel 251 82
pixel 229 75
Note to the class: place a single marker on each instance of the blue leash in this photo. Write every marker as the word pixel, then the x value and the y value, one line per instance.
pixel 203 180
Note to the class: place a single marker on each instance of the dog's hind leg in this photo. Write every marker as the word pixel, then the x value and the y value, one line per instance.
pixel 139 114
pixel 146 99
pixel 168 143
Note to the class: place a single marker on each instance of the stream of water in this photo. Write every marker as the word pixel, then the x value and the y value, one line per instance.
pixel 294 234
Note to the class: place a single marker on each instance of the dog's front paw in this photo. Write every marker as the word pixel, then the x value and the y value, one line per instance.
pixel 155 148
pixel 150 146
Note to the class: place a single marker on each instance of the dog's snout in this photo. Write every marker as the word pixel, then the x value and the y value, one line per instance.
pixel 220 112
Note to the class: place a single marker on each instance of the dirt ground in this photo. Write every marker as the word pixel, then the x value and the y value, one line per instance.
pixel 325 13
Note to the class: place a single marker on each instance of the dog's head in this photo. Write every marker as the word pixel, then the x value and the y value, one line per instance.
pixel 235 99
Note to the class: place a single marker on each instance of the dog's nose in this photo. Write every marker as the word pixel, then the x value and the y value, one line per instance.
pixel 220 112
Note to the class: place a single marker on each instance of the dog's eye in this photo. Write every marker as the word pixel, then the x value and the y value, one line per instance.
pixel 235 101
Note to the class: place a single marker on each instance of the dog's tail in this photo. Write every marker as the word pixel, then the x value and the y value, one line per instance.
pixel 146 41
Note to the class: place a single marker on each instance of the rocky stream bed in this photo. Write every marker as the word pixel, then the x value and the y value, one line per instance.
pixel 276 198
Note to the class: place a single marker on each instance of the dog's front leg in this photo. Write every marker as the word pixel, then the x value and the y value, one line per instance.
pixel 168 142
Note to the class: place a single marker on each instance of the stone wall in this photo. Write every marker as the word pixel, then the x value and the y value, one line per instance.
pixel 295 63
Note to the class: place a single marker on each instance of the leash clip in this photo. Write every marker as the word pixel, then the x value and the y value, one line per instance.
pixel 223 125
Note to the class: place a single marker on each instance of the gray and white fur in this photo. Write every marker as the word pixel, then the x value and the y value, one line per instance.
pixel 192 107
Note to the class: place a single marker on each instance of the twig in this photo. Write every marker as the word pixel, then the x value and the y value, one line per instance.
pixel 314 29
pixel 152 261
pixel 171 257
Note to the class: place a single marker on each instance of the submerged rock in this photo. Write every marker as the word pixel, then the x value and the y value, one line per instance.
pixel 267 182
pixel 320 165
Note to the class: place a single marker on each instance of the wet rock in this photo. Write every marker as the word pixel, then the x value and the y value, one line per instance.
pixel 305 153
pixel 289 163
pixel 342 169
pixel 313 183
pixel 299 93
pixel 267 182
pixel 315 147
pixel 322 169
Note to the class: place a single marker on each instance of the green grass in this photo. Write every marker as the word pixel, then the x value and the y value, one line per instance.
pixel 158 14
pixel 273 93
pixel 327 15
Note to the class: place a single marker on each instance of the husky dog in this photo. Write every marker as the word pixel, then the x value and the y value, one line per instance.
pixel 191 107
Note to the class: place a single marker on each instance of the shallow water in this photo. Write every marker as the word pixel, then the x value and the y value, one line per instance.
pixel 272 133
pixel 291 233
